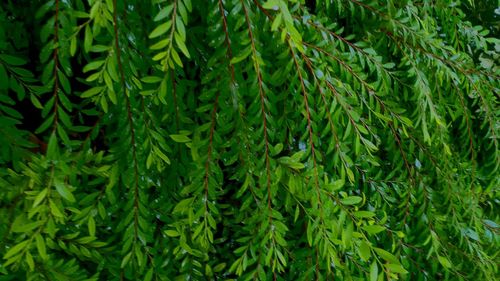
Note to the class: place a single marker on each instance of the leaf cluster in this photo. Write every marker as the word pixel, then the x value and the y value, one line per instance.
pixel 248 140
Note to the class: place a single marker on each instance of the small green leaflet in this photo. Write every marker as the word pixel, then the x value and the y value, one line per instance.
pixel 351 200
pixel 55 210
pixel 39 198
pixel 373 229
pixel 242 56
pixel 64 191
pixel 91 226
pixel 364 250
pixel 386 256
pixel 16 249
pixel 444 262
pixel 165 12
pixel 364 214
pixel 40 244
pixel 12 60
pixel 160 44
pixel 397 268
pixel 171 233
pixel 92 92
pixel 151 79
pixel 336 185
pixel 271 5
pixel 52 146
pixel 180 138
pixel 181 45
pixel 160 29
pixel 373 271
pixel 93 65
pixel 149 275
pixel 276 22
pixel 125 260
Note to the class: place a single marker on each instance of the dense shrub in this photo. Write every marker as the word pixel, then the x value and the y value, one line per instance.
pixel 249 140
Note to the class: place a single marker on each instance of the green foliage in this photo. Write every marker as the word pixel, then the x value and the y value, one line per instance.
pixel 248 140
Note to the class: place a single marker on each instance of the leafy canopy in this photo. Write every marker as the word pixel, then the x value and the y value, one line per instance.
pixel 248 140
